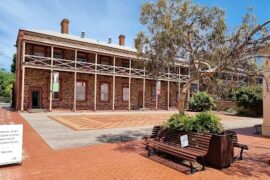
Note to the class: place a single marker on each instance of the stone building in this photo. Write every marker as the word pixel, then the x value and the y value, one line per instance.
pixel 57 70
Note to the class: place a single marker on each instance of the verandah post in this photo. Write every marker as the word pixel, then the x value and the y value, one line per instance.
pixel 113 99
pixel 75 79
pixel 51 80
pixel 23 75
pixel 129 85
pixel 95 84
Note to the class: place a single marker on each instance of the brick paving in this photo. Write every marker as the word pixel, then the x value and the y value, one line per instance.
pixel 120 160
pixel 110 120
pixel 90 122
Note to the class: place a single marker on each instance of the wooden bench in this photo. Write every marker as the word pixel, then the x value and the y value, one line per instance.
pixel 155 131
pixel 236 143
pixel 168 142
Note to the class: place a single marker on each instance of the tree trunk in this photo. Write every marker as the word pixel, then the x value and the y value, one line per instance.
pixel 182 100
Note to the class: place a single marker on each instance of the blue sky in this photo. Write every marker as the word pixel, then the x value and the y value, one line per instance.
pixel 100 19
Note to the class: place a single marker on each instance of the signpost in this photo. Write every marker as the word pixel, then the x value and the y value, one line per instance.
pixel 11 144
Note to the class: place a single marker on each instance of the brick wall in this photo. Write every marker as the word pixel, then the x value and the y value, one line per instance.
pixel 36 79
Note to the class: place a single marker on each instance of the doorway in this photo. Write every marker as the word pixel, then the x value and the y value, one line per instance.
pixel 140 99
pixel 35 99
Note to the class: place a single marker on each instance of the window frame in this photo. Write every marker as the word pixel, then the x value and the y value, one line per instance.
pixel 155 96
pixel 60 88
pixel 125 85
pixel 109 90
pixel 82 81
pixel 58 50
pixel 82 54
pixel 43 50
pixel 125 61
pixel 105 59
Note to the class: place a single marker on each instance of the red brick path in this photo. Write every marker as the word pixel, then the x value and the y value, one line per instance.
pixel 119 161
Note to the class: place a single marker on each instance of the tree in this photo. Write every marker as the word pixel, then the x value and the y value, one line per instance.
pixel 182 29
pixel 6 82
pixel 13 65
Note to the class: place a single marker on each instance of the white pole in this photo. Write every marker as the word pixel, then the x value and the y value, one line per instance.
pixel 129 85
pixel 188 88
pixel 95 85
pixel 23 74
pixel 157 96
pixel 113 84
pixel 168 91
pixel 75 79
pixel 179 83
pixel 51 80
pixel 144 88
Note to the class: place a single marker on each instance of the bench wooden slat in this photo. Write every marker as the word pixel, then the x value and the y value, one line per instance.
pixel 169 142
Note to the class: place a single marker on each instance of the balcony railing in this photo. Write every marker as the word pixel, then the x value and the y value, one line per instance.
pixel 40 61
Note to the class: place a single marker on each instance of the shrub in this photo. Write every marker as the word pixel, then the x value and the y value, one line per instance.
pixel 180 122
pixel 207 122
pixel 204 122
pixel 201 101
pixel 250 98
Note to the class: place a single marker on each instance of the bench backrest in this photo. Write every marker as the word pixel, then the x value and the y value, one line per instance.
pixel 198 141
pixel 155 131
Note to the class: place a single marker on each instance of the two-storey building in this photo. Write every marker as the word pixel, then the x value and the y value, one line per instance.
pixel 57 70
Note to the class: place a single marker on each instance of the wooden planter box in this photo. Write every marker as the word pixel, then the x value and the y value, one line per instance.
pixel 221 153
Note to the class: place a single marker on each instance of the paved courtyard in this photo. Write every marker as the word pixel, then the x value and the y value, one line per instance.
pixel 120 160
pixel 119 126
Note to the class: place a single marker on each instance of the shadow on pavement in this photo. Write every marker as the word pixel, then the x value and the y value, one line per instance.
pixel 122 137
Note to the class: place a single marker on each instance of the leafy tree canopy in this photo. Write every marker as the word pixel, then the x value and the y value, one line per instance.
pixel 183 29
pixel 6 81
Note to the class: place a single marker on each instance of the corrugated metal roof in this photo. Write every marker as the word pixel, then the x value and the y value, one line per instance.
pixel 78 38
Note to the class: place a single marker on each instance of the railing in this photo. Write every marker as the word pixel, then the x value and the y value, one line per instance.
pixel 37 60
pixel 40 61
pixel 63 63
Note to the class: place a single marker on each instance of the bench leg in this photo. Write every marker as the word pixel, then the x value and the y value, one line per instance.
pixel 203 163
pixel 191 167
pixel 150 151
pixel 241 154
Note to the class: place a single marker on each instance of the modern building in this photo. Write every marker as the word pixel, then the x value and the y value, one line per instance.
pixel 57 70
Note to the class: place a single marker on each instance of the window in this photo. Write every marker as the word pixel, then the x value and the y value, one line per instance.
pixel 80 91
pixel 58 54
pixel 39 51
pixel 104 92
pixel 105 60
pixel 125 92
pixel 153 93
pixel 82 57
pixel 193 89
pixel 125 63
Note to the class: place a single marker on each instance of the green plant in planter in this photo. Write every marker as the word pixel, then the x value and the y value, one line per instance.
pixel 201 101
pixel 180 122
pixel 207 122
pixel 204 122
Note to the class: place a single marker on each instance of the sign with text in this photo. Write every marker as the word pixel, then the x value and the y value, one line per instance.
pixel 11 144
pixel 55 81
pixel 158 87
pixel 184 141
